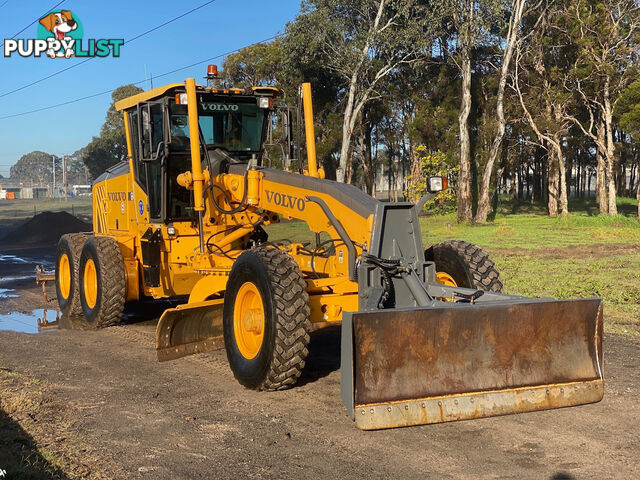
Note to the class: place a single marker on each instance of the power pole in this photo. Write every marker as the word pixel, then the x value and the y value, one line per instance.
pixel 53 190
pixel 64 177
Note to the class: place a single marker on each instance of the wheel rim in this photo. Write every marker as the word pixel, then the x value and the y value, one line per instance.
pixel 248 320
pixel 90 283
pixel 444 278
pixel 64 275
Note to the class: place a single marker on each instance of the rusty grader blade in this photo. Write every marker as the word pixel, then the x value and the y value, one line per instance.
pixel 424 365
pixel 189 329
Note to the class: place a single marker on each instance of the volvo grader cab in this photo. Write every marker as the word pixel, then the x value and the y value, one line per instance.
pixel 426 334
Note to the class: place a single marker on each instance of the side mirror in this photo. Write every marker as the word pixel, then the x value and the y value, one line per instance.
pixel 146 134
pixel 287 129
pixel 152 126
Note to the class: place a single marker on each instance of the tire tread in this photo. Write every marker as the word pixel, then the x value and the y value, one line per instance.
pixel 485 274
pixel 292 316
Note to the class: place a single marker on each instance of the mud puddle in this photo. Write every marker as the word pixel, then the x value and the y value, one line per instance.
pixel 23 322
pixel 7 293
pixel 41 320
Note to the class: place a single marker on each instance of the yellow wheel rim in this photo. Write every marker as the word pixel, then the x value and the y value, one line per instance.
pixel 445 279
pixel 64 275
pixel 90 283
pixel 248 320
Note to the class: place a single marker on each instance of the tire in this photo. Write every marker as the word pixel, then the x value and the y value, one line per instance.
pixel 467 264
pixel 67 272
pixel 267 278
pixel 102 282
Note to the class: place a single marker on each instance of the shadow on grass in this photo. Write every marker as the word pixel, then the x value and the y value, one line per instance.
pixel 19 454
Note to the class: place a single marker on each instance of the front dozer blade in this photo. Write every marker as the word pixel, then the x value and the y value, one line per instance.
pixel 189 329
pixel 424 365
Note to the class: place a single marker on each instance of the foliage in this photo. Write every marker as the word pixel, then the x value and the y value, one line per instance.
pixel 257 65
pixel 434 164
pixel 627 110
pixel 110 147
pixel 35 169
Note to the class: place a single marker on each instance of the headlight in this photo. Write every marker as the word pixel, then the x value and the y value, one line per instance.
pixel 265 102
pixel 437 184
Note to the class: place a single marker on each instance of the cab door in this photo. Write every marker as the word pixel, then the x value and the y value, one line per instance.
pixel 151 122
pixel 153 152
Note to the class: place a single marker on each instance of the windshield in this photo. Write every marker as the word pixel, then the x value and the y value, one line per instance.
pixel 231 123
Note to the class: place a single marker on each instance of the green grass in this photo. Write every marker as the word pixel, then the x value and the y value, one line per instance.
pixel 584 255
pixel 531 231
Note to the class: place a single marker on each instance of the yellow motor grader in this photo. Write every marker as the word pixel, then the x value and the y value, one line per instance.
pixel 427 335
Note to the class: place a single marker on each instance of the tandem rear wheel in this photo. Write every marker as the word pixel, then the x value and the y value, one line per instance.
pixel 67 272
pixel 266 319
pixel 102 282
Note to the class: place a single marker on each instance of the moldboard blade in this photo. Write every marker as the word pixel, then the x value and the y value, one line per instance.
pixel 190 329
pixel 458 361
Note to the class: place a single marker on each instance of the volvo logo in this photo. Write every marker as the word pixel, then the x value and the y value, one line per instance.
pixel 286 201
pixel 219 107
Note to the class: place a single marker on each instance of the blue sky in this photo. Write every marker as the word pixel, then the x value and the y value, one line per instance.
pixel 223 26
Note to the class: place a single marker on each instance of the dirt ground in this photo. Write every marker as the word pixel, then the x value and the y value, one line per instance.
pixel 596 250
pixel 108 409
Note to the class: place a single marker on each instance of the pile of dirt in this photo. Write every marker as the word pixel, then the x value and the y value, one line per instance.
pixel 44 230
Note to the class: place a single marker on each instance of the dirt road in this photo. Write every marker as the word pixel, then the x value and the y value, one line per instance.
pixel 190 418
pixel 86 403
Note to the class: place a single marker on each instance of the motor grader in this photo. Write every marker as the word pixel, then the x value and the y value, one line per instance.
pixel 427 335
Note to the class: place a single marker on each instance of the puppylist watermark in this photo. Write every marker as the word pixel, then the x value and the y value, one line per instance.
pixel 60 34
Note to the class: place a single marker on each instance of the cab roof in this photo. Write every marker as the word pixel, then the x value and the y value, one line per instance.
pixel 159 92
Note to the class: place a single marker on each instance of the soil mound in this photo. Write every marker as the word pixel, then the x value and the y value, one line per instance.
pixel 44 230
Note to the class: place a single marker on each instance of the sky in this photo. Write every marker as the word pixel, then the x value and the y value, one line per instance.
pixel 221 27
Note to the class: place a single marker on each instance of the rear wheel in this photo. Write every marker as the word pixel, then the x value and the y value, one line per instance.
pixel 266 319
pixel 102 282
pixel 67 273
pixel 463 264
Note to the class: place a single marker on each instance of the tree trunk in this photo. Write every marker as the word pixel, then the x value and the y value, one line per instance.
pixel 611 150
pixel 552 202
pixel 514 24
pixel 601 188
pixel 564 202
pixel 464 179
pixel 415 167
pixel 638 196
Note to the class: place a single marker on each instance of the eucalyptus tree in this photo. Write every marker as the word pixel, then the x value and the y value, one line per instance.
pixel 516 13
pixel 110 147
pixel 469 24
pixel 364 41
pixel 540 60
pixel 627 112
pixel 605 34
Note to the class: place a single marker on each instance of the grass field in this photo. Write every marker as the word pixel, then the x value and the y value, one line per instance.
pixel 581 256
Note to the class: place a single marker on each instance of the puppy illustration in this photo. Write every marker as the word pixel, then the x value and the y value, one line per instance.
pixel 60 24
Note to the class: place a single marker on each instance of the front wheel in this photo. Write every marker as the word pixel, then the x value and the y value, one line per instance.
pixel 463 264
pixel 266 319
pixel 102 282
